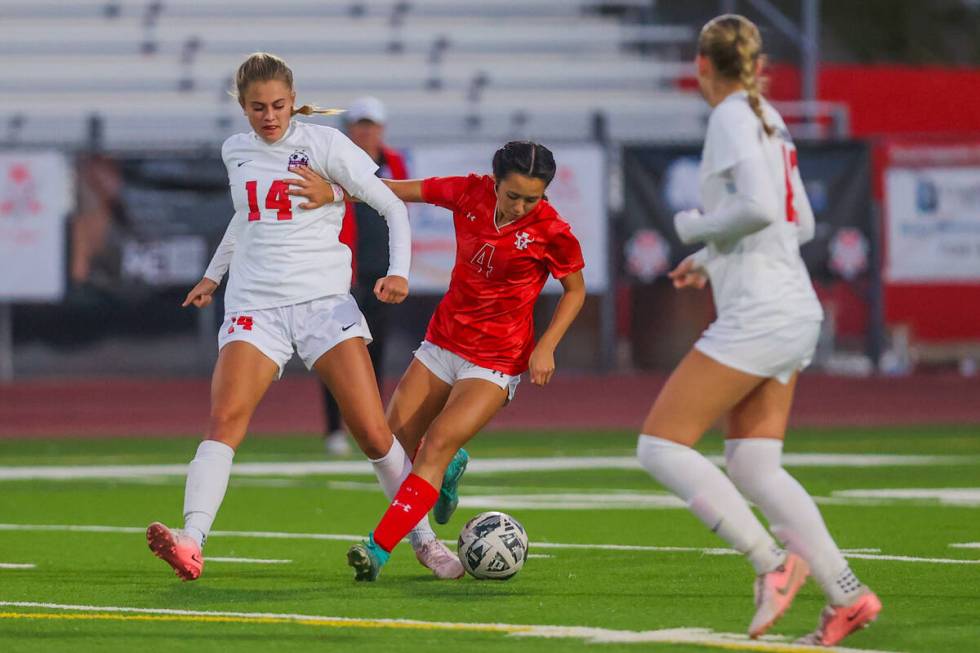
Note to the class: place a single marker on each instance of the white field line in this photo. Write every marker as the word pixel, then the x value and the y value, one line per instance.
pixel 551 498
pixel 548 498
pixel 866 554
pixel 340 537
pixel 966 497
pixel 965 545
pixel 17 565
pixel 935 561
pixel 267 535
pixel 703 636
pixel 250 561
pixel 539 555
pixel 571 501
pixel 477 466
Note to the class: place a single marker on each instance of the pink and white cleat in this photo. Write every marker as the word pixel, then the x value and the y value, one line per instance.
pixel 774 592
pixel 436 556
pixel 839 621
pixel 176 549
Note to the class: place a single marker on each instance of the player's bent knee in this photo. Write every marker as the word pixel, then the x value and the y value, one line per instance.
pixel 374 441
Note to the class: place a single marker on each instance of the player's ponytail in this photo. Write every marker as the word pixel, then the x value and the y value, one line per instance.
pixel 264 67
pixel 310 109
pixel 526 158
pixel 733 45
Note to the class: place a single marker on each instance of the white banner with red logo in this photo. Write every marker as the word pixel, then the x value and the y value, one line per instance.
pixel 36 194
pixel 577 192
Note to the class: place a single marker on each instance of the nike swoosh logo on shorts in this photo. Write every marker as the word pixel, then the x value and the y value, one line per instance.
pixel 348 326
pixel 241 163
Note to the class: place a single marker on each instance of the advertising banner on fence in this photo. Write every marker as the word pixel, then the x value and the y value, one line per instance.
pixel 930 196
pixel 36 194
pixel 578 192
pixel 932 217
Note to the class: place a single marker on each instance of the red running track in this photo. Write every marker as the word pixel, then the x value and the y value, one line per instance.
pixel 135 407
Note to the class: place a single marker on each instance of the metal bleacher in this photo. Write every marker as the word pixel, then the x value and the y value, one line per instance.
pixel 157 73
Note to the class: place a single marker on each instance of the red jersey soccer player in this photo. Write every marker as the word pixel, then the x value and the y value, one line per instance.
pixel 481 337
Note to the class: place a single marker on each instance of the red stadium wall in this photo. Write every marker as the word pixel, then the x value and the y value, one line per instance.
pixel 893 100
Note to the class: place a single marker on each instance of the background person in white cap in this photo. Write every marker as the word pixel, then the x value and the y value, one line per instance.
pixel 366 233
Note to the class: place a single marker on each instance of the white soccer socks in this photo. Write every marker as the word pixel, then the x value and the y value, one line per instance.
pixel 207 480
pixel 711 497
pixel 754 465
pixel 392 469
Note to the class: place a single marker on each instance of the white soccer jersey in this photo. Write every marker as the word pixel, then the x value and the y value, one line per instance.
pixel 281 254
pixel 759 280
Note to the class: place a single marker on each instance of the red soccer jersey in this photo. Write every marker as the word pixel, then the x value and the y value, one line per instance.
pixel 486 315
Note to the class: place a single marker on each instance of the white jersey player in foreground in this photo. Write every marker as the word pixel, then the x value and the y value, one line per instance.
pixel 289 287
pixel 745 365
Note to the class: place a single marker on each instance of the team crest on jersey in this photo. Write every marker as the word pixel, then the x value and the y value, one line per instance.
pixel 299 158
pixel 523 240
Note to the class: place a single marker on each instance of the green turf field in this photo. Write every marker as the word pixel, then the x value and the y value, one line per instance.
pixel 86 584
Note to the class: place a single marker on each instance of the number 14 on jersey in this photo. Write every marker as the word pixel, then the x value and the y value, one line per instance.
pixel 277 198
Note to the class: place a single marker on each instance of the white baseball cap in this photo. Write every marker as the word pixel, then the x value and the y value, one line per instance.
pixel 366 108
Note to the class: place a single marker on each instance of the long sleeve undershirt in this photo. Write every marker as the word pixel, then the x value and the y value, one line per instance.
pixel 751 208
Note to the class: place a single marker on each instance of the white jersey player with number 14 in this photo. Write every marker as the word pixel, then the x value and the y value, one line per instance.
pixel 281 254
pixel 289 283
pixel 745 365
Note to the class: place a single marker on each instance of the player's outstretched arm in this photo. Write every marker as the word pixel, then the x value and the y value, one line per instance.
pixel 542 363
pixel 407 190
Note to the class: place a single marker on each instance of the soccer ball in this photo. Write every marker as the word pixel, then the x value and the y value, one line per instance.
pixel 492 545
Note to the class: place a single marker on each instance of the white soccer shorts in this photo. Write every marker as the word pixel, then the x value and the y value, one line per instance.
pixel 313 328
pixel 776 354
pixel 450 368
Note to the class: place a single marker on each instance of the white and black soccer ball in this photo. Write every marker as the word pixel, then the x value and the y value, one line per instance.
pixel 492 545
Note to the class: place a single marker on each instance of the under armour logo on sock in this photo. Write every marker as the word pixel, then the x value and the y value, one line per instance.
pixel 406 507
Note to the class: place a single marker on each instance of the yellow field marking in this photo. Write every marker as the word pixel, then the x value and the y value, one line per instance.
pixel 335 623
pixel 684 636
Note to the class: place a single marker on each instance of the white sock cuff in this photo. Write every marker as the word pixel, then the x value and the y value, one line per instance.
pixel 760 449
pixel 646 441
pixel 396 452
pixel 215 448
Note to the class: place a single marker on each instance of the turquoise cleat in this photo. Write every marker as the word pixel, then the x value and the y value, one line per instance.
pixel 367 559
pixel 449 493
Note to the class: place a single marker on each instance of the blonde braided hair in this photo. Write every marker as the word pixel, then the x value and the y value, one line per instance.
pixel 733 45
